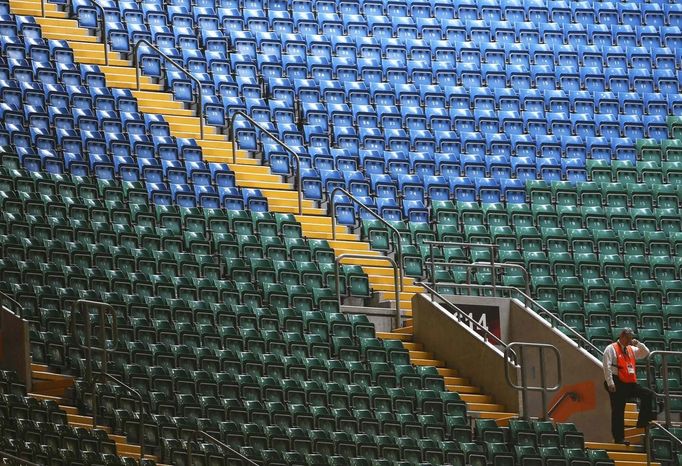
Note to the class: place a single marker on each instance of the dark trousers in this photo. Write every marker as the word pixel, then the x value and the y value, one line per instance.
pixel 623 393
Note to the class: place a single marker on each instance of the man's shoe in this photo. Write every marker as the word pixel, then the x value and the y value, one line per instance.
pixel 622 442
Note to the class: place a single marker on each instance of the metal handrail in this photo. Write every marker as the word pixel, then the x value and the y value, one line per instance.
pixel 16 459
pixel 100 9
pixel 199 94
pixel 103 309
pixel 666 395
pixel 285 146
pixel 206 435
pixel 491 247
pixel 542 388
pixel 14 302
pixel 138 395
pixel 394 231
pixel 556 321
pixel 487 265
pixel 663 429
pixel 467 317
pixel 574 396
pixel 396 279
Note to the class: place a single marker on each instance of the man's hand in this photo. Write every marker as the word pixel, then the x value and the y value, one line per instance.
pixel 634 342
pixel 612 388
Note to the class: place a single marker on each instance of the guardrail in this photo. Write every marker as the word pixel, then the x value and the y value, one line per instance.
pixel 394 231
pixel 140 400
pixel 396 279
pixel 103 310
pixel 523 387
pixel 197 91
pixel 207 436
pixel 297 172
pixel 666 395
pixel 487 334
pixel 647 438
pixel 582 342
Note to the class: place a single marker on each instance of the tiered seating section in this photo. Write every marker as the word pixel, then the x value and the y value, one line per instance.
pixel 39 431
pixel 512 122
pixel 373 93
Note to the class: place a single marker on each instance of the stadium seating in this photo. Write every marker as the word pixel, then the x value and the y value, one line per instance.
pixel 540 127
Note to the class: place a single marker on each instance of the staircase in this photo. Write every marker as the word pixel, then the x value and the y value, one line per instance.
pixel 632 455
pixel 183 122
pixel 479 405
pixel 47 385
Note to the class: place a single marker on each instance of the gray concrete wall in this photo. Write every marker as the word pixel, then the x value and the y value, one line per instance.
pixel 463 349
pixel 581 372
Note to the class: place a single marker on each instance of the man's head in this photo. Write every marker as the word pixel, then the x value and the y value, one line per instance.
pixel 626 336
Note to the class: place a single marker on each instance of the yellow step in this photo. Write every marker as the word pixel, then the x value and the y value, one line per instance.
pixel 408 330
pixel 421 355
pixel 394 336
pixel 411 346
pixel 456 381
pixel 634 463
pixel 427 362
pixel 627 456
pixel 485 407
pixel 615 447
pixel 463 389
pixel 447 372
pixel 476 398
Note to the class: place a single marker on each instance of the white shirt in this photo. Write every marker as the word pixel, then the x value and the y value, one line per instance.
pixel 610 360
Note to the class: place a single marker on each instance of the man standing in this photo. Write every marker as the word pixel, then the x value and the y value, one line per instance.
pixel 621 381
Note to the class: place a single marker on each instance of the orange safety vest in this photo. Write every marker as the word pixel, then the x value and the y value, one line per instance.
pixel 626 364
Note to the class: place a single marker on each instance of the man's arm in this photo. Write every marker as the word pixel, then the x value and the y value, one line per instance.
pixel 640 349
pixel 608 362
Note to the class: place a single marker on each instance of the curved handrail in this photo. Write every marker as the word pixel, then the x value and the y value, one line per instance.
pixel 240 113
pixel 103 20
pixel 182 69
pixel 468 318
pixel 138 395
pixel 206 435
pixel 396 278
pixel 394 231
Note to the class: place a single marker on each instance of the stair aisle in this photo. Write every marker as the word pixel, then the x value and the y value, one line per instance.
pixel 216 148
pixel 479 405
pixel 48 385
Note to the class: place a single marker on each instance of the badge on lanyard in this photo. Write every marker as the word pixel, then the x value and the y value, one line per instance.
pixel 631 369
